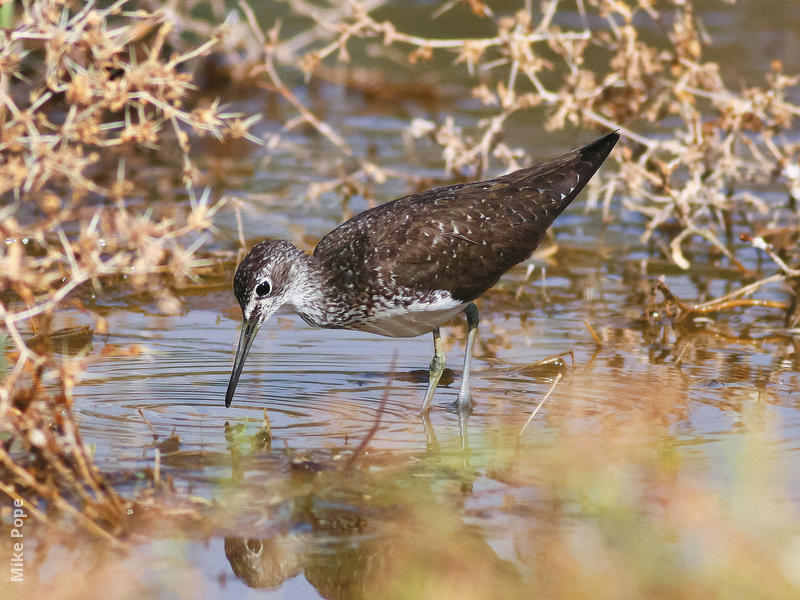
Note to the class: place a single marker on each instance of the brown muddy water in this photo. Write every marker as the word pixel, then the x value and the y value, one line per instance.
pixel 663 464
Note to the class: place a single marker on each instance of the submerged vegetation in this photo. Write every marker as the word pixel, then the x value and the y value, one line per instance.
pixel 106 107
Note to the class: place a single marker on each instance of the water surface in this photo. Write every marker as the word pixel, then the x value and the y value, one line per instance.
pixel 663 459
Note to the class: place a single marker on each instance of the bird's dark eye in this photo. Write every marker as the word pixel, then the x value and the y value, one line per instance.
pixel 263 288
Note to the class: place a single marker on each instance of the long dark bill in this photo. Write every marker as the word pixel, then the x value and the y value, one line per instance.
pixel 246 338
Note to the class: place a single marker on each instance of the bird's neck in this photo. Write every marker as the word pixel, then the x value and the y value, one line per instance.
pixel 312 295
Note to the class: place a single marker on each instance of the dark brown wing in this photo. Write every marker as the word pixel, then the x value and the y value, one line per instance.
pixel 462 238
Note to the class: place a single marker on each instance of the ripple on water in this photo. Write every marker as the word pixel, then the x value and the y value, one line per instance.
pixel 322 398
pixel 324 388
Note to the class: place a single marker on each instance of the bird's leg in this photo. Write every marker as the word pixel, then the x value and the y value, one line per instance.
pixel 435 373
pixel 463 400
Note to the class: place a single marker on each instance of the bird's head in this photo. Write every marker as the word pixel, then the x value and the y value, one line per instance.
pixel 264 281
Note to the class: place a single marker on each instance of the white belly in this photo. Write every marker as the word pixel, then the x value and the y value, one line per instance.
pixel 413 320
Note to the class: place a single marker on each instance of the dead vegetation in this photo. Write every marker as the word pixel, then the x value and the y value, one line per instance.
pixel 89 93
pixel 85 91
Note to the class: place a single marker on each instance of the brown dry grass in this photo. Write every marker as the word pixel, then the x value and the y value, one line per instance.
pixel 86 92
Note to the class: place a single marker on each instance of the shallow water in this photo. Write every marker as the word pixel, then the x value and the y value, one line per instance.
pixel 676 451
pixel 638 422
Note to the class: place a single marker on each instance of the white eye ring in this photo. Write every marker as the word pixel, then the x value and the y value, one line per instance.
pixel 264 288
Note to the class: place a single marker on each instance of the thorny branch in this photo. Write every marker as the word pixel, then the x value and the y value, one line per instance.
pixel 79 93
pixel 87 91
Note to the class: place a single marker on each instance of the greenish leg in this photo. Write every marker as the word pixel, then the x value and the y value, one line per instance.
pixel 435 373
pixel 463 400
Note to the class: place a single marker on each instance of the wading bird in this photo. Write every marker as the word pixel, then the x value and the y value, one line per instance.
pixel 403 268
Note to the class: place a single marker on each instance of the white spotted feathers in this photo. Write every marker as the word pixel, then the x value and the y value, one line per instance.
pixel 403 268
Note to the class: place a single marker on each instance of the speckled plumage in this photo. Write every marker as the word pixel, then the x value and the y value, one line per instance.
pixel 403 268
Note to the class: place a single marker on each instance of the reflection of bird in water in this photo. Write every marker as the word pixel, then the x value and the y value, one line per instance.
pixel 347 556
pixel 267 562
